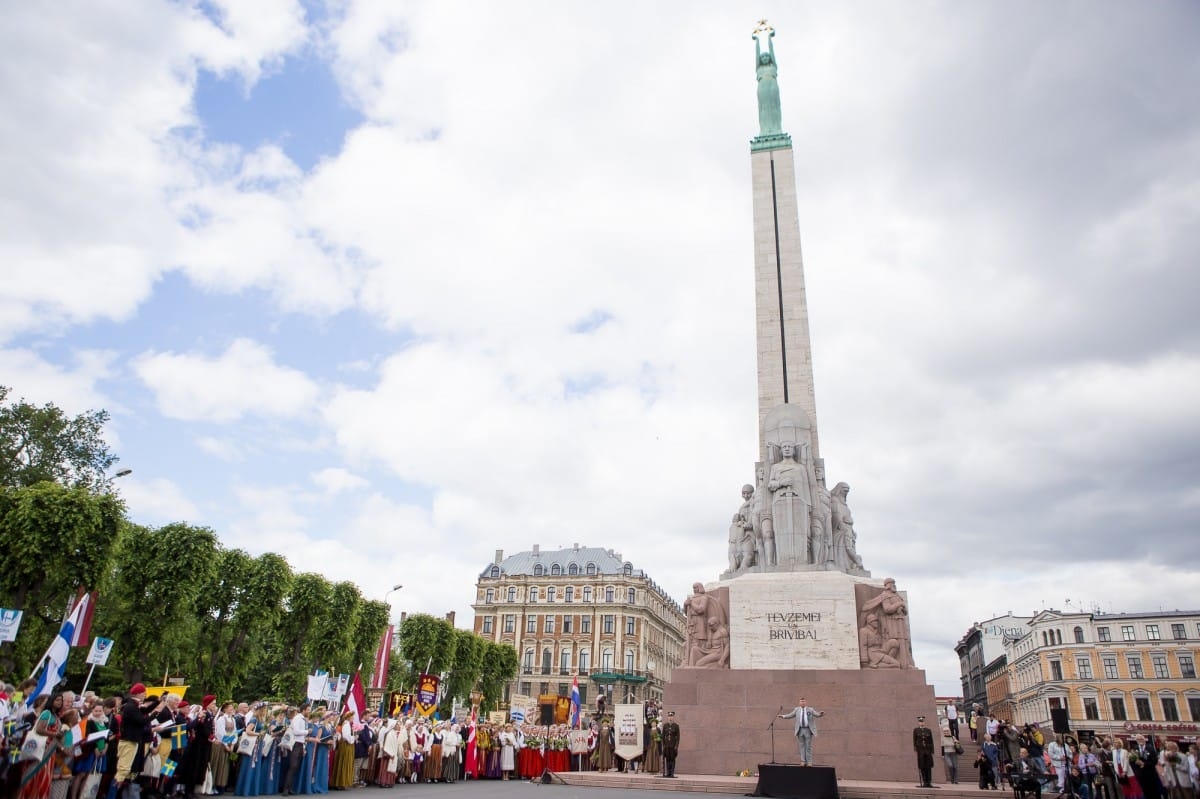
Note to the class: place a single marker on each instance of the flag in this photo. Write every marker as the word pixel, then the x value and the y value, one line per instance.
pixel 575 704
pixel 54 662
pixel 516 715
pixel 316 686
pixel 382 656
pixel 168 768
pixel 179 739
pixel 356 703
pixel 83 628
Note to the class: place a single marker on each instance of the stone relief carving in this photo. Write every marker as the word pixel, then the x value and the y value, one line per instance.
pixel 883 633
pixel 742 543
pixel 845 555
pixel 707 613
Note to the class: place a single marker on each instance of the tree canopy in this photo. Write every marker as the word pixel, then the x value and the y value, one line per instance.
pixel 42 443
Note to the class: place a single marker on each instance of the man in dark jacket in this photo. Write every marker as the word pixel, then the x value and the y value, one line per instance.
pixel 136 715
pixel 923 746
pixel 362 748
pixel 670 744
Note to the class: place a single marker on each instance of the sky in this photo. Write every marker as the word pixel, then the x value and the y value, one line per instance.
pixel 385 287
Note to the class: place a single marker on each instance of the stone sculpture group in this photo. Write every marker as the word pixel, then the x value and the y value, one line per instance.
pixel 707 628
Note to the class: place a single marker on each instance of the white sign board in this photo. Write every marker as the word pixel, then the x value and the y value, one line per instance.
pixel 101 649
pixel 10 622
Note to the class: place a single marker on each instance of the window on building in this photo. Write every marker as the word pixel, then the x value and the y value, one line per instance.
pixel 591 569
pixel 1117 704
pixel 1152 632
pixel 487 625
pixel 629 625
pixel 531 624
pixel 1135 667
pixel 573 569
pixel 512 594
pixel 1103 634
pixel 587 593
pixel 528 661
pixel 546 661
pixel 1056 670
pixel 1055 703
pixel 1143 708
pixel 632 597
pixel 629 662
pixel 1110 667
pixel 564 661
pixel 1083 665
pixel 533 593
pixel 549 626
pixel 1178 632
pixel 609 623
pixel 610 594
pixel 1159 662
pixel 567 624
pixel 606 660
pixel 1127 633
pixel 510 623
pixel 1045 639
pixel 585 624
pixel 585 661
pixel 551 592
pixel 1170 708
pixel 538 571
pixel 569 593
pixel 555 570
pixel 627 569
pixel 1187 666
pixel 489 596
pixel 1194 707
pixel 1079 635
pixel 1091 710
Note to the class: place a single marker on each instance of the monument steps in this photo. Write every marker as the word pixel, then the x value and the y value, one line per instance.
pixel 743 786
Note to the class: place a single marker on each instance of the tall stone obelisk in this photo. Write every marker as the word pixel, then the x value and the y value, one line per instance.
pixel 784 347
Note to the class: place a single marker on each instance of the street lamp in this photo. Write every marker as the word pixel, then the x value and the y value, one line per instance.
pixel 391 591
pixel 123 473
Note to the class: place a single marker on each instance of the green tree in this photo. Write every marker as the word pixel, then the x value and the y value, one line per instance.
pixel 372 621
pixel 426 646
pixel 468 665
pixel 39 444
pixel 499 666
pixel 305 611
pixel 56 540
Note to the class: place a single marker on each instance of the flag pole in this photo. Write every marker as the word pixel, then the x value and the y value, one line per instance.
pixel 92 671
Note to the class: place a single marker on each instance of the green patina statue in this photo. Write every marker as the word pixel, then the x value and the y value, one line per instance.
pixel 770 117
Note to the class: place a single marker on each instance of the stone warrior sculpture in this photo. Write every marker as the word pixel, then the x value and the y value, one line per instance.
pixel 760 517
pixel 822 521
pixel 707 645
pixel 891 612
pixel 770 117
pixel 791 499
pixel 845 555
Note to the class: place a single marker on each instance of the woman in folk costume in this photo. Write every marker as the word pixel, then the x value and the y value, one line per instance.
pixel 62 759
pixel 271 766
pixel 90 762
pixel 652 759
pixel 451 741
pixel 508 751
pixel 390 754
pixel 342 776
pixel 193 765
pixel 470 751
pixel 431 771
pixel 326 740
pixel 248 763
pixel 491 768
pixel 604 746
pixel 224 738
pixel 304 780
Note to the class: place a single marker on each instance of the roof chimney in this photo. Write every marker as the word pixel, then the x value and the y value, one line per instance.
pixel 450 618
pixel 576 546
pixel 535 549
pixel 499 556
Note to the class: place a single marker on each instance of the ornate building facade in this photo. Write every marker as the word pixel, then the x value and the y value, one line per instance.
pixel 1114 673
pixel 581 612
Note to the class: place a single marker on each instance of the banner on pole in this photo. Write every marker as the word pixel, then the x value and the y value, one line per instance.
pixel 383 656
pixel 427 694
pixel 627 726
pixel 101 649
pixel 10 622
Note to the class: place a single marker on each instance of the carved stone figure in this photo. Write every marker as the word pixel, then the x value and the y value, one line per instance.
pixel 822 522
pixel 892 612
pixel 707 614
pixel 770 116
pixel 717 656
pixel 876 652
pixel 760 517
pixel 791 500
pixel 741 534
pixel 845 556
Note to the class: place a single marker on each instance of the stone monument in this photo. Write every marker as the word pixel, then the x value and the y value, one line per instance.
pixel 796 613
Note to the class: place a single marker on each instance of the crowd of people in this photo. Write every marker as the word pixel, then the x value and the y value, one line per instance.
pixel 1032 762
pixel 135 746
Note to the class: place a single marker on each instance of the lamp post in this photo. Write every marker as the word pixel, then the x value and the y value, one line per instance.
pixel 391 591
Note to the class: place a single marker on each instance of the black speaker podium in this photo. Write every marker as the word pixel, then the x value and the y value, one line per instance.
pixel 785 781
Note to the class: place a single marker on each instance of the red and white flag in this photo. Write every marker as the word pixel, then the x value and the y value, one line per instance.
pixel 356 703
pixel 383 657
pixel 85 603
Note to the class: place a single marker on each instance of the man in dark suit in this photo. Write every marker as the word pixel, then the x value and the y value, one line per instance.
pixel 1146 771
pixel 670 744
pixel 923 746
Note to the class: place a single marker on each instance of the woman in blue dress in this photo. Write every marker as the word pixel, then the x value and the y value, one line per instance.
pixel 325 746
pixel 304 780
pixel 271 771
pixel 247 778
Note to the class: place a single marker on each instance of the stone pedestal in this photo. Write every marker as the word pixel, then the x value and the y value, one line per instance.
pixel 866 732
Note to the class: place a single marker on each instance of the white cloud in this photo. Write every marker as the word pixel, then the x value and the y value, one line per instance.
pixel 156 501
pixel 335 480
pixel 243 380
pixel 223 448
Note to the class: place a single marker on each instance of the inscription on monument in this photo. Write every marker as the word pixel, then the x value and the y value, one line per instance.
pixel 792 625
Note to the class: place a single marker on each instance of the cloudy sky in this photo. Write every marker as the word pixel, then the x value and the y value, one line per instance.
pixel 388 286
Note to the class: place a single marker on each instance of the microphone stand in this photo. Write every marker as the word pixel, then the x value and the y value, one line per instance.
pixel 771 727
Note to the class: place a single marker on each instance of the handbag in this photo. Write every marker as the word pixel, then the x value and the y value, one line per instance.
pixel 289 738
pixel 246 745
pixel 153 766
pixel 34 746
pixel 267 742
pixel 206 787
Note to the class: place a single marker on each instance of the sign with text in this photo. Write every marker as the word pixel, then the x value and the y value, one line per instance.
pixel 627 729
pixel 101 649
pixel 10 622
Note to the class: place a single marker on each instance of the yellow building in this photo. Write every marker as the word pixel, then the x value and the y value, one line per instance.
pixel 583 613
pixel 1114 673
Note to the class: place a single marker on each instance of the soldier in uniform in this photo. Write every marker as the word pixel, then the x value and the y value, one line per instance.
pixel 923 745
pixel 670 744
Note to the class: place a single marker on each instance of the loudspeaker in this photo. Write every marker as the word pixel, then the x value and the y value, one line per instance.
pixel 546 716
pixel 1058 716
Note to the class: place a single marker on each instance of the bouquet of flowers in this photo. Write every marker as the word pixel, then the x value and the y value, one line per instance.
pixel 743 773
pixel 532 741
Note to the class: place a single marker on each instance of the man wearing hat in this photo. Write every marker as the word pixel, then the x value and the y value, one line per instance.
pixel 670 744
pixel 923 745
pixel 135 734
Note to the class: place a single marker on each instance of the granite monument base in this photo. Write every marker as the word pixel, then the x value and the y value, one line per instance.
pixel 866 732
